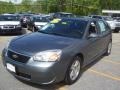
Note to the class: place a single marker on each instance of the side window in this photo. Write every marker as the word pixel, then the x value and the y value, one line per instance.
pixel 93 28
pixel 102 26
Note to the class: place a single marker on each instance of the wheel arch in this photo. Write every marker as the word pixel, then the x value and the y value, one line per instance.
pixel 82 57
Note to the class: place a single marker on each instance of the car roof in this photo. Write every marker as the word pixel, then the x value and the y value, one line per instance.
pixel 81 18
pixel 63 13
pixel 96 15
pixel 39 15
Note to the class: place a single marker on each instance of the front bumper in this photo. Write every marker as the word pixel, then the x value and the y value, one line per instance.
pixel 11 31
pixel 117 27
pixel 112 28
pixel 37 72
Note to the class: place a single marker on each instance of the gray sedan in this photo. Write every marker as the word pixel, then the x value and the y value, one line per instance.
pixel 58 51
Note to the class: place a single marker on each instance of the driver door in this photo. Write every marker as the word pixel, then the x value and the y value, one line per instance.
pixel 93 43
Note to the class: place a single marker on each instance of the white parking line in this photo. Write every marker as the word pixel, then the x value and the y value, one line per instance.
pixel 117 63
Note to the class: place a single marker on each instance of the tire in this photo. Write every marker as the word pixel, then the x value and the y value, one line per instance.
pixel 33 29
pixel 71 77
pixel 116 31
pixel 23 32
pixel 28 28
pixel 108 51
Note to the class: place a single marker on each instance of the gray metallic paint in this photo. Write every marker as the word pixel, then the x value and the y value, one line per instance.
pixel 55 72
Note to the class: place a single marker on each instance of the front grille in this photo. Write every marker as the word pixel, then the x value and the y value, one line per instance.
pixel 9 27
pixel 118 25
pixel 17 57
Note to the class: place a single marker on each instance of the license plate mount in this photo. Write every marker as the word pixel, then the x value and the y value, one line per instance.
pixel 11 67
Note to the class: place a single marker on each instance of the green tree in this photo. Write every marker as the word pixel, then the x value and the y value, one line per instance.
pixel 25 6
pixel 6 7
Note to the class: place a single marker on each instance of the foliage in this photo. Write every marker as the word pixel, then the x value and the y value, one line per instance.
pixel 79 7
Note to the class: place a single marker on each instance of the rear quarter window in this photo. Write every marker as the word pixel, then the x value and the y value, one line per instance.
pixel 102 26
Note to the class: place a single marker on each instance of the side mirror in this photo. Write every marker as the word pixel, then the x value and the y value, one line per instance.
pixel 93 35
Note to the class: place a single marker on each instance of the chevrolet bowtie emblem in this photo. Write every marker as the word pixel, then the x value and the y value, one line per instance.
pixel 14 56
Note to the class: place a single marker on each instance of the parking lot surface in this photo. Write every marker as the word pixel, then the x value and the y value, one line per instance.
pixel 103 74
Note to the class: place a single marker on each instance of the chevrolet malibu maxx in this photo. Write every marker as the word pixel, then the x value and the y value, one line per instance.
pixel 58 51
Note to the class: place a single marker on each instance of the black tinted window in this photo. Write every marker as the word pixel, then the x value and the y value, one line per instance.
pixel 98 17
pixel 9 18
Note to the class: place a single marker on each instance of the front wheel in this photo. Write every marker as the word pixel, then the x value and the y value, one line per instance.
pixel 74 70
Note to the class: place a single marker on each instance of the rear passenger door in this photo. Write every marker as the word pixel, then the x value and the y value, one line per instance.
pixel 105 34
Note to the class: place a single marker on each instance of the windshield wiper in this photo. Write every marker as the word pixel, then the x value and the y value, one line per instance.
pixel 58 34
pixel 43 32
pixel 53 33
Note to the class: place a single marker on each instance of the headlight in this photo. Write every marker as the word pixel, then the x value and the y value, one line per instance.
pixel 1 27
pixel 39 26
pixel 48 56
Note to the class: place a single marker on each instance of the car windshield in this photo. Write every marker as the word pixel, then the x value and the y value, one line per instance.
pixel 41 19
pixel 65 27
pixel 9 18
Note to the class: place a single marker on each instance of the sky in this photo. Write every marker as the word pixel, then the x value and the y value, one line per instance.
pixel 13 0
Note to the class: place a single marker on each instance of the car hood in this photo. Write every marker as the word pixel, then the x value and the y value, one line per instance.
pixel 110 22
pixel 9 22
pixel 37 42
pixel 40 23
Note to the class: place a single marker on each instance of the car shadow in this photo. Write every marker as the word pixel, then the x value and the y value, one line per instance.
pixel 10 35
pixel 92 64
pixel 15 34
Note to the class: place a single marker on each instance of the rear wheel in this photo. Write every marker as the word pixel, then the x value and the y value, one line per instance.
pixel 108 51
pixel 23 31
pixel 32 29
pixel 74 70
pixel 116 31
pixel 28 27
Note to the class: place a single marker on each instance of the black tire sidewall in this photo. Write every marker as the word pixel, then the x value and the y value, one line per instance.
pixel 108 53
pixel 116 31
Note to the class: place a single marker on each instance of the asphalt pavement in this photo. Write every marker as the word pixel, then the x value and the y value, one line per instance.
pixel 102 74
